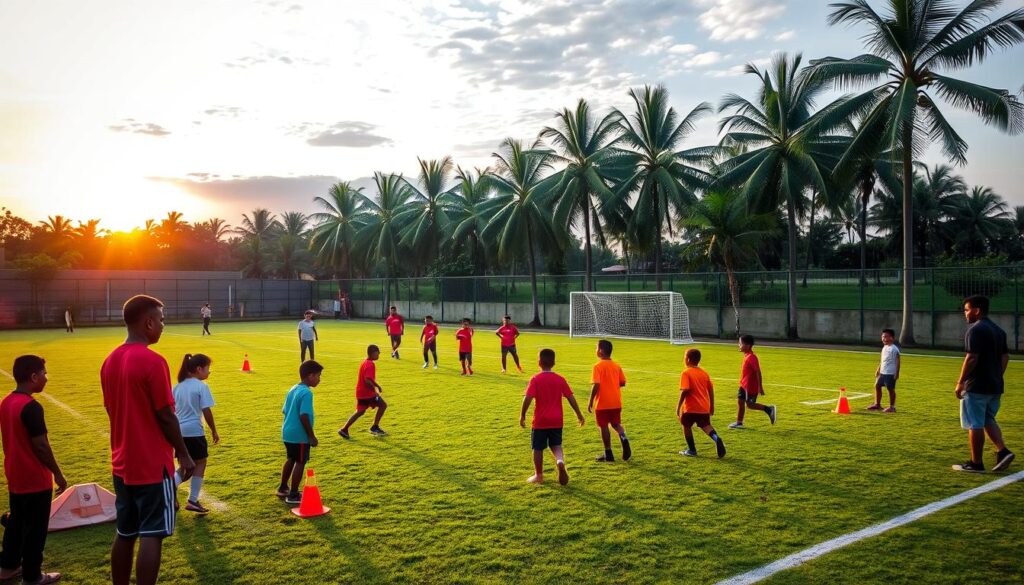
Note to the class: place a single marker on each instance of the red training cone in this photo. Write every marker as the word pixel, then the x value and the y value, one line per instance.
pixel 245 365
pixel 844 405
pixel 310 505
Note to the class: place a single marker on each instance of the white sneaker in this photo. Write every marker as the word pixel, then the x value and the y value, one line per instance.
pixel 687 453
pixel 425 365
pixel 435 366
pixel 736 425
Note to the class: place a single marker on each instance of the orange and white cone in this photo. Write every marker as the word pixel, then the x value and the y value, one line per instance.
pixel 843 407
pixel 310 505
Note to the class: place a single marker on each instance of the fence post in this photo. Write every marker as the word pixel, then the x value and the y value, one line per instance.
pixel 627 282
pixel 1016 309
pixel 789 302
pixel 932 272
pixel 409 296
pixel 262 309
pixel 474 299
pixel 718 299
pixel 861 282
pixel 545 293
pixel 506 295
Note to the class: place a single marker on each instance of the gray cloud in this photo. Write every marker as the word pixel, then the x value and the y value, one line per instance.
pixel 270 56
pixel 133 126
pixel 233 195
pixel 349 134
pixel 223 111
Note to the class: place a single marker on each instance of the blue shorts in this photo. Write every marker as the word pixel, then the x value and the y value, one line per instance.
pixel 978 410
pixel 887 380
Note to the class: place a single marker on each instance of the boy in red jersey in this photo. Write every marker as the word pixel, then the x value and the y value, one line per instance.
pixel 428 337
pixel 465 337
pixel 367 395
pixel 395 326
pixel 508 334
pixel 751 384
pixel 606 395
pixel 31 470
pixel 547 388
pixel 697 404
pixel 144 437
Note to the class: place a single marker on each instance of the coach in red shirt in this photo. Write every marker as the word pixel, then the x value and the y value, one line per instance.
pixel 31 471
pixel 144 436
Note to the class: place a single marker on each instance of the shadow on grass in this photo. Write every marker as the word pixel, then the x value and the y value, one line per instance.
pixel 200 548
pixel 361 567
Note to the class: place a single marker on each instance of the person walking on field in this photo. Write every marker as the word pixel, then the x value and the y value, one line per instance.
pixel 207 313
pixel 307 335
pixel 980 385
pixel 69 321
pixel 144 437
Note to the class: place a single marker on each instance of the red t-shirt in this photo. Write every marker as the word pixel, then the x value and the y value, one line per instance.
pixel 394 324
pixel 547 390
pixel 136 383
pixel 21 420
pixel 429 333
pixel 750 378
pixel 508 335
pixel 465 337
pixel 367 370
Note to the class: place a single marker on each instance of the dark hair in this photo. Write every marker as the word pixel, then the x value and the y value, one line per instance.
pixel 606 347
pixel 310 367
pixel 889 331
pixel 393 308
pixel 431 317
pixel 748 339
pixel 979 302
pixel 693 355
pixel 547 357
pixel 371 349
pixel 138 307
pixel 308 312
pixel 190 364
pixel 25 366
pixel 466 320
pixel 509 317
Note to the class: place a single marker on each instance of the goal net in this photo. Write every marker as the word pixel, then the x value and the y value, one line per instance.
pixel 647 315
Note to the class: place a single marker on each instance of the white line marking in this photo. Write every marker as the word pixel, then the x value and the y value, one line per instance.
pixel 830 401
pixel 801 557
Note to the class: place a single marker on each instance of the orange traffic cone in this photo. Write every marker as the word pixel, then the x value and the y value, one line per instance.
pixel 844 405
pixel 245 365
pixel 310 505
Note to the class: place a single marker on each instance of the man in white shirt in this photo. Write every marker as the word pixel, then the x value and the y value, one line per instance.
pixel 307 335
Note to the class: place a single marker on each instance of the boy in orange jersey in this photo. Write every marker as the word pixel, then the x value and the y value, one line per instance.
pixel 606 399
pixel 367 395
pixel 697 404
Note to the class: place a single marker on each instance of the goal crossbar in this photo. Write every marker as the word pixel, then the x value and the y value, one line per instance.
pixel 630 315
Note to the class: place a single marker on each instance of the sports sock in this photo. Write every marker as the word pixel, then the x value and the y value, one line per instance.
pixel 622 436
pixel 196 484
pixel 608 453
pixel 690 444
pixel 559 462
pixel 177 479
pixel 714 436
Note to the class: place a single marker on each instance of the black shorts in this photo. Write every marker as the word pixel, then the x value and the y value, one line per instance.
pixel 364 403
pixel 197 447
pixel 145 510
pixel 465 355
pixel 508 349
pixel 745 397
pixel 543 438
pixel 396 338
pixel 887 380
pixel 696 418
pixel 297 452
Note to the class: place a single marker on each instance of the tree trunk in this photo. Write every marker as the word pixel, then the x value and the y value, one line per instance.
pixel 734 294
pixel 587 284
pixel 865 194
pixel 792 332
pixel 533 278
pixel 810 239
pixel 657 240
pixel 907 327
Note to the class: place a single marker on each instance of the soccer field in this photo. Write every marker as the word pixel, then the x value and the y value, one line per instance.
pixel 443 499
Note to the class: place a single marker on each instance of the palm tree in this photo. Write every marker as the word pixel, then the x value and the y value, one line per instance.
pixel 665 179
pixel 936 192
pixel 593 164
pixel 214 229
pixel 981 219
pixel 379 236
pixel 333 237
pixel 909 46
pixel 425 220
pixel 263 225
pixel 725 233
pixel 787 149
pixel 469 216
pixel 291 245
pixel 522 207
pixel 169 230
pixel 89 235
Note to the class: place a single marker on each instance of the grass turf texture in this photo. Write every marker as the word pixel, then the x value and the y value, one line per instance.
pixel 443 498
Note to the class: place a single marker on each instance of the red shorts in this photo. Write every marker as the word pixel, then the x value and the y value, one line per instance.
pixel 363 403
pixel 608 416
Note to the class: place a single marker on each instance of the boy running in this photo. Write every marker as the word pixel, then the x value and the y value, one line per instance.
pixel 465 337
pixel 192 402
pixel 297 430
pixel 428 337
pixel 606 396
pixel 508 334
pixel 751 384
pixel 31 470
pixel 697 404
pixel 395 326
pixel 547 388
pixel 887 372
pixel 367 395
pixel 307 335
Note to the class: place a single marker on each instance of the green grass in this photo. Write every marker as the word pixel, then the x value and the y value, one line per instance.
pixel 443 498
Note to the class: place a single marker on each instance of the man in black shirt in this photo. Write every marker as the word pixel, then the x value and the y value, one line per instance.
pixel 980 385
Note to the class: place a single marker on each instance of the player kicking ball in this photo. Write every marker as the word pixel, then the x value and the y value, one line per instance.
pixel 367 395
pixel 751 384
pixel 697 404
pixel 547 388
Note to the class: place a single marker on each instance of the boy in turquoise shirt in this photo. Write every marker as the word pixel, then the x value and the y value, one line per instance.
pixel 297 430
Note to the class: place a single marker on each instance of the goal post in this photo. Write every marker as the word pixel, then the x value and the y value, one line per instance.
pixel 630 315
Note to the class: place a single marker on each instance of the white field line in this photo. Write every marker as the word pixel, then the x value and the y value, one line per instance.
pixel 856 396
pixel 801 557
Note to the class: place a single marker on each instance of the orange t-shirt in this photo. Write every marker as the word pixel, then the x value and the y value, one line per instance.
pixel 608 375
pixel 698 399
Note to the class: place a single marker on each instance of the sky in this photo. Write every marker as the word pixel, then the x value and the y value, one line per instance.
pixel 124 110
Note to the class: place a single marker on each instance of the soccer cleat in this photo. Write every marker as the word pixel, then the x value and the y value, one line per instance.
pixel 502 370
pixel 282 492
pixel 970 467
pixel 293 498
pixel 736 425
pixel 470 371
pixel 378 432
pixel 605 458
pixel 425 365
pixel 1003 460
pixel 196 507
pixel 343 434
pixel 463 374
pixel 627 452
pixel 435 366
pixel 520 368
pixel 874 407
pixel 890 409
pixel 397 357
pixel 688 453
pixel 772 413
pixel 721 447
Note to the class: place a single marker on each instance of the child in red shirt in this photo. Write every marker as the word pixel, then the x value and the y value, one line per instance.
pixel 367 395
pixel 751 384
pixel 508 334
pixel 547 388
pixel 428 337
pixel 465 337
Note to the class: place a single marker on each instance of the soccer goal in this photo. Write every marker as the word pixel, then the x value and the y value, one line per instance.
pixel 646 315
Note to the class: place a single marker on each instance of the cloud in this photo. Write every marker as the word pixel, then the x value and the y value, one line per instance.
pixel 236 193
pixel 133 126
pixel 270 56
pixel 731 20
pixel 349 134
pixel 223 111
pixel 785 35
